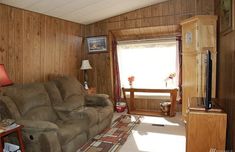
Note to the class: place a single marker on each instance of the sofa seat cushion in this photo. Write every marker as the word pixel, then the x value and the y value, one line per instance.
pixel 45 113
pixel 71 104
pixel 70 129
pixel 104 112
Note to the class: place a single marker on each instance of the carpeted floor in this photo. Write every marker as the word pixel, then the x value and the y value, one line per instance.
pixel 140 134
pixel 111 139
pixel 157 134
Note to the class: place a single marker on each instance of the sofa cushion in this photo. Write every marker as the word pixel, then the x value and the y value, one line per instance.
pixel 53 93
pixel 70 129
pixel 10 107
pixel 28 98
pixel 69 86
pixel 45 113
pixel 71 104
pixel 71 91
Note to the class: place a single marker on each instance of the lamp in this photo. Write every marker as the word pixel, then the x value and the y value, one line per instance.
pixel 4 79
pixel 85 66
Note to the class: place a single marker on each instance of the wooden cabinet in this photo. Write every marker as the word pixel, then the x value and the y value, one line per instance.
pixel 205 130
pixel 198 35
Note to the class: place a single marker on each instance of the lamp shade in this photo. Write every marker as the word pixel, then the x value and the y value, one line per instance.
pixel 85 65
pixel 4 79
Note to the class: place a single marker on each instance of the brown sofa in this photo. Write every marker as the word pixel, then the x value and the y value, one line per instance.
pixel 57 115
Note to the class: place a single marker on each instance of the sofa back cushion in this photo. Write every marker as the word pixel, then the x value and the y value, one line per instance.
pixel 71 91
pixel 32 101
pixel 53 93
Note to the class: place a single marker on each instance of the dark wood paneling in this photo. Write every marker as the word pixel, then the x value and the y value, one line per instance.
pixel 169 13
pixel 226 79
pixel 33 45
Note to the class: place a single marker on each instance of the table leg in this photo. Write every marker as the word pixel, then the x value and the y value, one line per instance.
pixel 19 136
pixel 1 145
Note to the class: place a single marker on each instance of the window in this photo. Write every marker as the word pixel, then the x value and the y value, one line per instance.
pixel 150 62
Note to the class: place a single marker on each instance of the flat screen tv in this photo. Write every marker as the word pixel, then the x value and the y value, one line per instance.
pixel 207 99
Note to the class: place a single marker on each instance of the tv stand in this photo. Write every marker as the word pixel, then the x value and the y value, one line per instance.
pixel 197 103
pixel 205 129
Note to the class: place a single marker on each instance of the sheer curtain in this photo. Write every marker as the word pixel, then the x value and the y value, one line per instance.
pixel 149 61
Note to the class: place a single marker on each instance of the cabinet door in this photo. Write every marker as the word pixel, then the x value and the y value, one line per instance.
pixel 206 131
pixel 189 76
pixel 189 36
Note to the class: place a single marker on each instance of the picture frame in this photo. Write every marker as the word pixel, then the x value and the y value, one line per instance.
pixel 226 16
pixel 97 44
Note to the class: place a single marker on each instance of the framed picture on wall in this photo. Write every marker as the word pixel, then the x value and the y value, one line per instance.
pixel 97 44
pixel 226 16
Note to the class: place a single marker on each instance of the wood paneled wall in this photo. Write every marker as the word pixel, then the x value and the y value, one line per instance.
pixel 33 45
pixel 168 13
pixel 226 78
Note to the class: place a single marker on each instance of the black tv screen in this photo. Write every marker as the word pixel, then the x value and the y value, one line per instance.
pixel 208 102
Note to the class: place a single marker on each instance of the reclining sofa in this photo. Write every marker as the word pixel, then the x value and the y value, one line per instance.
pixel 58 116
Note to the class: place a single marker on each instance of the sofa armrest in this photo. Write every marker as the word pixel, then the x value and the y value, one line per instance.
pixel 40 135
pixel 38 125
pixel 98 100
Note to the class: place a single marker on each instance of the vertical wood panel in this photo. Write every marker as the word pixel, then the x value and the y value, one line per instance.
pixel 43 47
pixel 226 79
pixel 32 50
pixel 15 44
pixel 4 25
pixel 33 45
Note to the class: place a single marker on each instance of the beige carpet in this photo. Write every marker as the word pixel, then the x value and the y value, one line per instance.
pixel 147 137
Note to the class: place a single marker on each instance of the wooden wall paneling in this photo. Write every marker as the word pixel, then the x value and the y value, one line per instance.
pixel 92 78
pixel 165 8
pixel 185 6
pixel 79 56
pixel 65 51
pixel 226 78
pixel 178 7
pixel 226 86
pixel 33 45
pixel 15 46
pixel 32 50
pixel 205 7
pixel 50 41
pixel 75 48
pixel 43 47
pixel 4 28
pixel 60 45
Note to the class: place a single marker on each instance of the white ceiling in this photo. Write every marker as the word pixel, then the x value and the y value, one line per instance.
pixel 81 11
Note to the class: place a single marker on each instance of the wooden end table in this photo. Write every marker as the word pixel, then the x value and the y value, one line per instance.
pixel 91 91
pixel 16 130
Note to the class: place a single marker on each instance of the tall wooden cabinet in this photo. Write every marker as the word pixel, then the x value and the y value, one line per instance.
pixel 198 35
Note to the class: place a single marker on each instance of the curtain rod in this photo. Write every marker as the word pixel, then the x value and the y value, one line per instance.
pixel 148 40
